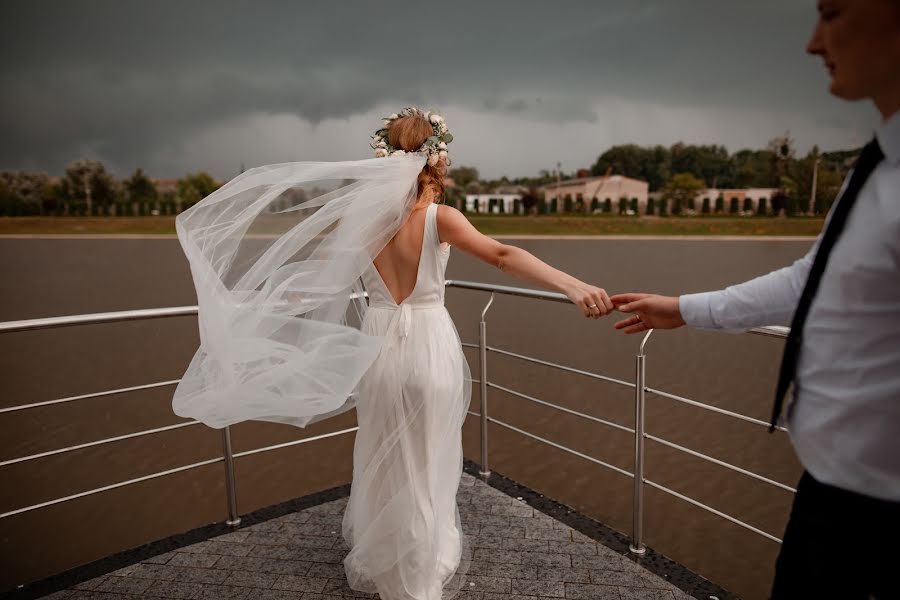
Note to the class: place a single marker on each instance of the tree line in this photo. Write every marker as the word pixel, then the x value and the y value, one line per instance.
pixel 88 189
pixel 805 184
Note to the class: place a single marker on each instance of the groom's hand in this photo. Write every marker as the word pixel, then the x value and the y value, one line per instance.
pixel 649 311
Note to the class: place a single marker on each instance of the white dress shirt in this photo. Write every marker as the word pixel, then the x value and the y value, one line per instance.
pixel 844 417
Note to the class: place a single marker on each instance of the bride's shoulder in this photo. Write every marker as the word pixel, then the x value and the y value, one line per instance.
pixel 445 211
pixel 448 216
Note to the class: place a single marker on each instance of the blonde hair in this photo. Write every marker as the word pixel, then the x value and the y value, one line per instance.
pixel 408 134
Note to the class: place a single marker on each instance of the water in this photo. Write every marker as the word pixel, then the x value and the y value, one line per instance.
pixel 47 277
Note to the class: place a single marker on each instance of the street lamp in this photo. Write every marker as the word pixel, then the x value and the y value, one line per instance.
pixel 558 175
pixel 812 195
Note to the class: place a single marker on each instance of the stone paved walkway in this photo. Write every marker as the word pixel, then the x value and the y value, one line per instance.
pixel 519 553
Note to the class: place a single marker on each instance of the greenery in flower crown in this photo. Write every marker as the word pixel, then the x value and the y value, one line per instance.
pixel 435 147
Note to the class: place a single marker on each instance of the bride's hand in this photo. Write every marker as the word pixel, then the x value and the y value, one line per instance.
pixel 594 302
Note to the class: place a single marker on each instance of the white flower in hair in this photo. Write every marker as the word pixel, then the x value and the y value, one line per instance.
pixel 434 147
pixel 398 153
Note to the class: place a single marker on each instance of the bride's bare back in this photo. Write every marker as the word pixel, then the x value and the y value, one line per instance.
pixel 398 262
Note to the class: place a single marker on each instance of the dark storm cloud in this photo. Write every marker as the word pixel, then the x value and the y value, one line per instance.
pixel 126 81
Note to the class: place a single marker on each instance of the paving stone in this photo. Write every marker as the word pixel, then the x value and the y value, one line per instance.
pixel 530 587
pixel 485 583
pixel 173 589
pixel 298 517
pixel 222 592
pixel 273 526
pixel 474 596
pixel 616 578
pixel 499 531
pixel 90 584
pixel 504 570
pixel 198 547
pixel 277 595
pixel 124 585
pixel 587 591
pixel 152 571
pixel 631 593
pixel 251 579
pixel 525 544
pixel 512 552
pixel 235 536
pixel 340 587
pixel 567 547
pixel 160 559
pixel 228 548
pixel 496 555
pixel 193 559
pixel 546 559
pixel 512 511
pixel 544 533
pixel 124 571
pixel 299 583
pixel 564 574
pixel 200 575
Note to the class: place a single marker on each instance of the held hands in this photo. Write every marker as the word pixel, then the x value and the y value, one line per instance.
pixel 594 302
pixel 649 311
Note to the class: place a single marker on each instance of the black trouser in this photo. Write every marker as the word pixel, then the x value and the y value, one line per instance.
pixel 839 544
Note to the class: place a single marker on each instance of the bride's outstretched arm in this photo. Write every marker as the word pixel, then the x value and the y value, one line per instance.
pixel 455 229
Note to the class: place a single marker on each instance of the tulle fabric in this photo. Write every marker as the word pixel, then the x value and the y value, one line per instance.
pixel 280 257
pixel 402 522
pixel 276 256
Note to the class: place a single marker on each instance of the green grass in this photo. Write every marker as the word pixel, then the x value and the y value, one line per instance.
pixel 490 225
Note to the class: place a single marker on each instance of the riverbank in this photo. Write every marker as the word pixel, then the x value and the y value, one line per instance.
pixel 489 225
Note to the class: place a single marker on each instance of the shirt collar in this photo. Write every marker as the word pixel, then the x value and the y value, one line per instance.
pixel 888 134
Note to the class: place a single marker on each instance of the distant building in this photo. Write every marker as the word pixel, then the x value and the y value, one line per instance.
pixel 512 189
pixel 586 189
pixel 496 203
pixel 737 200
pixel 165 186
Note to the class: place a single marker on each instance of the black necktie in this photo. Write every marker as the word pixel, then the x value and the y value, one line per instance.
pixel 868 159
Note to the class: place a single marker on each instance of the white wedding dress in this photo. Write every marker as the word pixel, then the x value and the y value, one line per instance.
pixel 280 257
pixel 402 523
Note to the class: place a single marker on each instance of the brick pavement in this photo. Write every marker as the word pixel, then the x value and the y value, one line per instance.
pixel 517 553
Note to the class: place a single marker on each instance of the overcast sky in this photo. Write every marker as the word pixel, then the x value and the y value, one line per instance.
pixel 176 87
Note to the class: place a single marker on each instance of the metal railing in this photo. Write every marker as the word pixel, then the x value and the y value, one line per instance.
pixel 638 431
pixel 640 435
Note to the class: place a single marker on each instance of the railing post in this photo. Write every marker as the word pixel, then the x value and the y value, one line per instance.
pixel 485 470
pixel 233 518
pixel 637 529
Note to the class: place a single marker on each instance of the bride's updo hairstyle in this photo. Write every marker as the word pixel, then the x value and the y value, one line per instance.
pixel 409 134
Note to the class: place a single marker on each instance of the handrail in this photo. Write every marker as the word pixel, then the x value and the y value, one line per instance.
pixel 636 546
pixel 179 311
pixel 94 318
pixel 228 456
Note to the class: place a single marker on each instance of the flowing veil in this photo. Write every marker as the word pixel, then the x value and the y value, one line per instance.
pixel 276 256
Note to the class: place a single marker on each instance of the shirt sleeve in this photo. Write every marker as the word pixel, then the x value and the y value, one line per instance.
pixel 770 299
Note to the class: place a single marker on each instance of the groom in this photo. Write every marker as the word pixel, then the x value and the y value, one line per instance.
pixel 842 301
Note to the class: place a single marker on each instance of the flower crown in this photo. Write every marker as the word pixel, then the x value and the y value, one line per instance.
pixel 435 147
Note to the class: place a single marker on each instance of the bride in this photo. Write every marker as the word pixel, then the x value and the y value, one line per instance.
pixel 286 334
